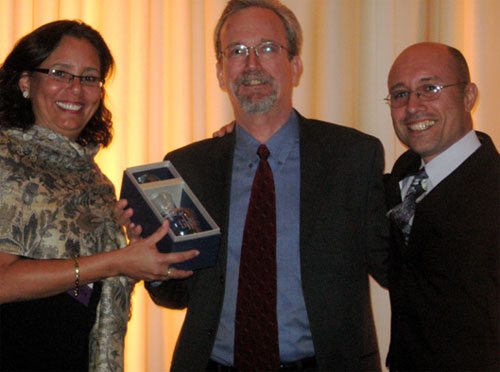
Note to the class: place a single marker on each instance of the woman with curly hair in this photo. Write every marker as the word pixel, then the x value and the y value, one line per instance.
pixel 64 281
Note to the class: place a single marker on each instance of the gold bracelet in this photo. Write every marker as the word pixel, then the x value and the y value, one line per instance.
pixel 77 275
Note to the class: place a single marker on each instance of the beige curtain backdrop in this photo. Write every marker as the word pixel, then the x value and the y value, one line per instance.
pixel 165 95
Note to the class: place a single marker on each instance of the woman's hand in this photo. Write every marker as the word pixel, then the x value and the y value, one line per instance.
pixel 24 279
pixel 122 216
pixel 141 260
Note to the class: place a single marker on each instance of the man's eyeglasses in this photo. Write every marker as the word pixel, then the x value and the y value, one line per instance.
pixel 66 77
pixel 239 52
pixel 427 92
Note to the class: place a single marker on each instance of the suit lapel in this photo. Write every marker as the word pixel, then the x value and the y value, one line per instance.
pixel 407 164
pixel 313 170
pixel 218 188
pixel 457 190
pixel 454 190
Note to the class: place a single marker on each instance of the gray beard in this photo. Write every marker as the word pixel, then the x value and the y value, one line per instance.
pixel 264 104
pixel 260 107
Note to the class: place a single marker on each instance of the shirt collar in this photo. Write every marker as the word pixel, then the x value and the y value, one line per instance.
pixel 445 163
pixel 279 144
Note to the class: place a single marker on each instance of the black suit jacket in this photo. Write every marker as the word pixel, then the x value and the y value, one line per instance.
pixel 343 237
pixel 444 286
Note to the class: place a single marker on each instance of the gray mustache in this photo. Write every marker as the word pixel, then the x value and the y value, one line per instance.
pixel 246 77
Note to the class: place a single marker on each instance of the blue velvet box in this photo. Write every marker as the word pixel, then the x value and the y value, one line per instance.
pixel 141 186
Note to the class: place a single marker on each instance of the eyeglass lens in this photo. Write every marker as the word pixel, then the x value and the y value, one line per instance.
pixel 426 92
pixel 66 77
pixel 263 50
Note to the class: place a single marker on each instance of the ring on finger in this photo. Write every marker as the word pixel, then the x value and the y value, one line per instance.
pixel 169 272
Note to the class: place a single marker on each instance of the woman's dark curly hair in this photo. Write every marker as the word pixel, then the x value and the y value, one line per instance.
pixel 28 53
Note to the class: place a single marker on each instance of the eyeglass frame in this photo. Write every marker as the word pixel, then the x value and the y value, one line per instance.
pixel 50 72
pixel 255 49
pixel 436 95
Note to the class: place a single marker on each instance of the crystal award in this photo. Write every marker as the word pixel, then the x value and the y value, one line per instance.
pixel 182 220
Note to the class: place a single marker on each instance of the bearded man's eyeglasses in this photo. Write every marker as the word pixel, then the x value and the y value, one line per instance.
pixel 239 52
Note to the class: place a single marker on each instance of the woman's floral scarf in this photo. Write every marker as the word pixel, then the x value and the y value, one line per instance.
pixel 56 203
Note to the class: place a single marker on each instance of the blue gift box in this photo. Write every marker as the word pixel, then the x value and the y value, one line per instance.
pixel 147 188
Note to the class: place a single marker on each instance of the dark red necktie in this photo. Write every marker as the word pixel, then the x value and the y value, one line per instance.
pixel 256 345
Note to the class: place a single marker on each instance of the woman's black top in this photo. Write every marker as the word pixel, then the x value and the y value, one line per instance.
pixel 49 334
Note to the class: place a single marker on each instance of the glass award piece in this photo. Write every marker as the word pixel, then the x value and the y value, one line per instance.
pixel 147 177
pixel 182 220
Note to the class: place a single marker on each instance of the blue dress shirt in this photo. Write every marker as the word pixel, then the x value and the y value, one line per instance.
pixel 295 341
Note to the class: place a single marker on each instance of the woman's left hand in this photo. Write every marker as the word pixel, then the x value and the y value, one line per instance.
pixel 122 216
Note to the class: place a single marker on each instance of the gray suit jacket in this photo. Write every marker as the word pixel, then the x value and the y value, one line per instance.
pixel 343 237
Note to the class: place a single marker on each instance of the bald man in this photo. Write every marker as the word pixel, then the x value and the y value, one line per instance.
pixel 444 261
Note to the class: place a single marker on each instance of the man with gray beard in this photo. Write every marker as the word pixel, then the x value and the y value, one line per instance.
pixel 320 232
pixel 255 106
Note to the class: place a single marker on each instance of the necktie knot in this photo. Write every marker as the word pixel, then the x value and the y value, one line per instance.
pixel 403 213
pixel 263 152
pixel 419 184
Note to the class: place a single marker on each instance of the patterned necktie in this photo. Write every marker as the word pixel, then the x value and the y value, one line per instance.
pixel 403 212
pixel 256 345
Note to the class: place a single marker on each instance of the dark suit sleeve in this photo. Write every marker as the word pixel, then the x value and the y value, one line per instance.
pixel 203 165
pixel 377 223
pixel 171 293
